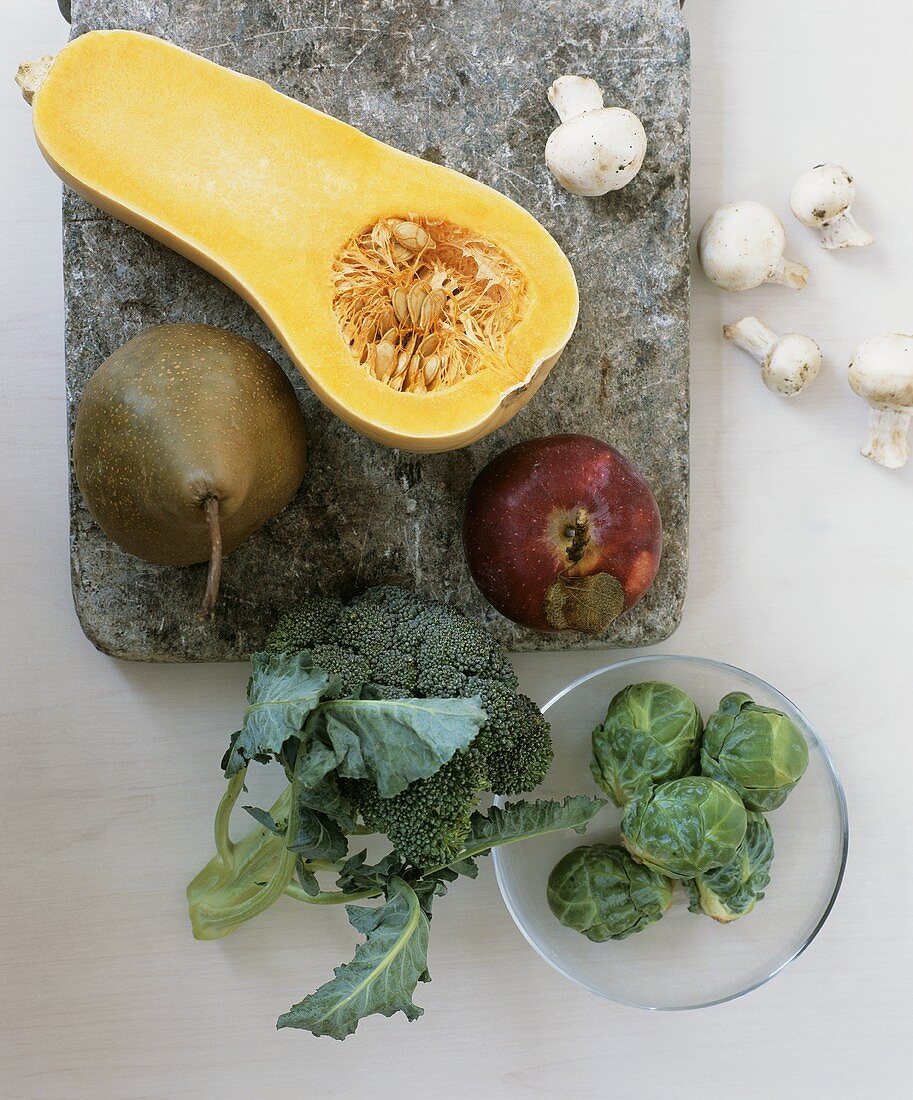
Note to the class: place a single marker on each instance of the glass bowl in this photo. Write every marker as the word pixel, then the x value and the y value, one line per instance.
pixel 685 960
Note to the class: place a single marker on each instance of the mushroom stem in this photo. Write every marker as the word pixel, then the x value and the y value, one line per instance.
pixel 31 75
pixel 845 232
pixel 211 596
pixel 789 364
pixel 753 336
pixel 574 95
pixel 888 429
pixel 788 273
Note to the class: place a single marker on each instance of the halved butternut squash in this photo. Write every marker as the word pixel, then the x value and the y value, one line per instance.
pixel 422 307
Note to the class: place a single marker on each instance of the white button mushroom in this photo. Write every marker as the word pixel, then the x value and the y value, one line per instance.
pixel 882 373
pixel 789 363
pixel 822 199
pixel 742 246
pixel 596 149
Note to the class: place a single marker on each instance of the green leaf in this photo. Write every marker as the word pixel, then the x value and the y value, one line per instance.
pixel 730 892
pixel 523 820
pixel 283 690
pixel 382 976
pixel 467 867
pixel 427 889
pixel 326 798
pixel 392 742
pixel 318 836
pixel 357 874
pixel 307 878
pixel 264 818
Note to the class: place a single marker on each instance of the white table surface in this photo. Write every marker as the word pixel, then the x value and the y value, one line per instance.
pixel 801 571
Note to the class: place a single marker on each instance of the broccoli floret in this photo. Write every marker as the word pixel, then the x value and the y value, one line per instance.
pixel 515 740
pixel 398 669
pixel 365 628
pixel 399 602
pixel 519 748
pixel 455 649
pixel 352 669
pixel 442 681
pixel 313 621
pixel 452 639
pixel 387 691
pixel 404 608
pixel 428 821
pixel 393 643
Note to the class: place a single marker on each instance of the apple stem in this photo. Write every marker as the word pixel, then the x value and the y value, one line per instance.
pixel 581 536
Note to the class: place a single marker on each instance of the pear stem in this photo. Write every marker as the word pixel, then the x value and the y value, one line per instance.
pixel 211 597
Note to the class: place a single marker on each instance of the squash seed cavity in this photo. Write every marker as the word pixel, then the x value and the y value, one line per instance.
pixel 424 304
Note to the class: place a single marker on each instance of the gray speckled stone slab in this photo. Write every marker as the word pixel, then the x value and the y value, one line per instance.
pixel 463 83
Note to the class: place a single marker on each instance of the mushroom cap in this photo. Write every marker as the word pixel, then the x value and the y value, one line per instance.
pixel 793 364
pixel 741 245
pixel 598 151
pixel 822 194
pixel 882 370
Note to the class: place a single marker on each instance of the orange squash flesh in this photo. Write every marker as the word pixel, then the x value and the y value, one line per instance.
pixel 264 192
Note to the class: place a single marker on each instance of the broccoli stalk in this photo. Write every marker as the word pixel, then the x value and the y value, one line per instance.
pixel 243 879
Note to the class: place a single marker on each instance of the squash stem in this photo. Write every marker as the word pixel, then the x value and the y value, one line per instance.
pixel 31 75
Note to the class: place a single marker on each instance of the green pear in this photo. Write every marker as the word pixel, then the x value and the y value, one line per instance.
pixel 188 439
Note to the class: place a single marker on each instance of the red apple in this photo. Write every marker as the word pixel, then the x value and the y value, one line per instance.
pixel 562 533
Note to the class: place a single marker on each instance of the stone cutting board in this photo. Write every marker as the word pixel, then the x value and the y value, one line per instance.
pixel 461 83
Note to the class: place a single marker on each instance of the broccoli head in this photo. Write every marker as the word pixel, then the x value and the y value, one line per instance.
pixel 393 643
pixel 428 821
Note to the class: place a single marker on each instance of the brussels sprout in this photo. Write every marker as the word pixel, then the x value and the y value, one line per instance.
pixel 685 827
pixel 601 892
pixel 651 733
pixel 732 891
pixel 757 750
